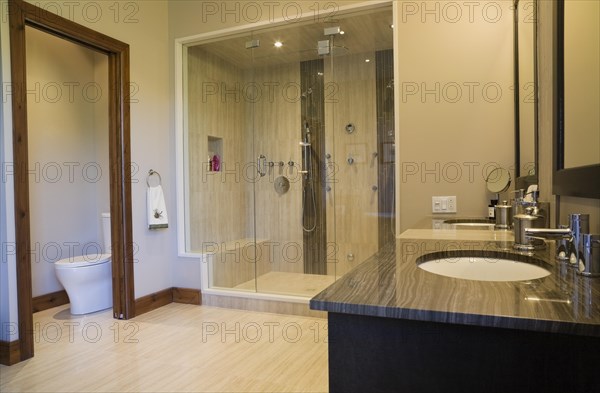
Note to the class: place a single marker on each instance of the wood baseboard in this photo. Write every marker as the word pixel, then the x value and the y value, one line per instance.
pixel 50 300
pixel 166 296
pixel 142 305
pixel 187 296
pixel 153 301
pixel 10 352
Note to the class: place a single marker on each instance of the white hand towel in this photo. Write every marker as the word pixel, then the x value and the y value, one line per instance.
pixel 157 210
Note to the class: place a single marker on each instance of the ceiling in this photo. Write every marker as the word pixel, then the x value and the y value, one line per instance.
pixel 365 32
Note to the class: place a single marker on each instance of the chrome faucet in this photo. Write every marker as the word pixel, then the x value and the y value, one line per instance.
pixel 576 245
pixel 528 215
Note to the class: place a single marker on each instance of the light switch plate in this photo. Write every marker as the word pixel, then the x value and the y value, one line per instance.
pixel 443 204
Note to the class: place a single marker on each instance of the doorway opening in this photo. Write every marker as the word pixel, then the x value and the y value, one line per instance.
pixel 24 15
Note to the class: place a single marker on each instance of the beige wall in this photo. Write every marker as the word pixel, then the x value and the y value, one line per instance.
pixel 68 154
pixel 442 138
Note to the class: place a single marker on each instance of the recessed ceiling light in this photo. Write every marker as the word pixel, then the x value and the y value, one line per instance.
pixel 391 26
pixel 319 73
pixel 278 44
pixel 367 60
pixel 342 32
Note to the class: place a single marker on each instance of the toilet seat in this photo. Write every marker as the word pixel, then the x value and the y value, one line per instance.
pixel 82 261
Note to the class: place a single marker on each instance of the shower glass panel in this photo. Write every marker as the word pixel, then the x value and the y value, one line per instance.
pixel 220 172
pixel 359 114
pixel 304 135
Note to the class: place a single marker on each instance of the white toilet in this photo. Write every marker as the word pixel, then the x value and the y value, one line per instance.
pixel 88 278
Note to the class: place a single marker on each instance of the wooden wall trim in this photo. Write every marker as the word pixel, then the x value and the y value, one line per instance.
pixel 10 352
pixel 187 296
pixel 153 301
pixel 21 179
pixel 50 300
pixel 167 296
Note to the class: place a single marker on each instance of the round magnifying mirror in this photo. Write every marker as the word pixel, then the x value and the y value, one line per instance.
pixel 498 180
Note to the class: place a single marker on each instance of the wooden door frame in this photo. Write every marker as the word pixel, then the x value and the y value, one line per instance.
pixel 22 14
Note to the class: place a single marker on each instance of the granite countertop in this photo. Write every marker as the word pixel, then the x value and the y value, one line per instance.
pixel 390 284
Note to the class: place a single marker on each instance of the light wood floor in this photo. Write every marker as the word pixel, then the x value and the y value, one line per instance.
pixel 177 348
pixel 284 283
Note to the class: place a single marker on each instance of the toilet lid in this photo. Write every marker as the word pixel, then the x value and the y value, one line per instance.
pixel 82 261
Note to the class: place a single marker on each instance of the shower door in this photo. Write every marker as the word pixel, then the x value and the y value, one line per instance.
pixel 289 148
pixel 323 139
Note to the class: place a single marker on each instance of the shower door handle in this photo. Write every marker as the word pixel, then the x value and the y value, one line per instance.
pixel 261 162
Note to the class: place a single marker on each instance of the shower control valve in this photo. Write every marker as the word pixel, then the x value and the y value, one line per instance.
pixel 350 160
pixel 374 188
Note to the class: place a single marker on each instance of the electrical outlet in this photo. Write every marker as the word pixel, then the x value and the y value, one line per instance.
pixel 443 204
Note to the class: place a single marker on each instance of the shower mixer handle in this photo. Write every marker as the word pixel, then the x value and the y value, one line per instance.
pixel 261 163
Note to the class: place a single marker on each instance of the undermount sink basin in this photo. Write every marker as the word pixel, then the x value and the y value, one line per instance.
pixel 483 266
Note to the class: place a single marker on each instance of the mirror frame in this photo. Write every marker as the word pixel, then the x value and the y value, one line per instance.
pixel 523 182
pixel 578 181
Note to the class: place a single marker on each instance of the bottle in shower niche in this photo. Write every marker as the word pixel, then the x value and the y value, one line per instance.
pixel 209 164
pixel 216 163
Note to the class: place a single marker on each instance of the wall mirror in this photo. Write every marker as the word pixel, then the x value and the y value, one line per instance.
pixel 526 119
pixel 577 99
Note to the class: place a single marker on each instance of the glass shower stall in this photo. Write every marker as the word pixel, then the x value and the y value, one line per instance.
pixel 289 145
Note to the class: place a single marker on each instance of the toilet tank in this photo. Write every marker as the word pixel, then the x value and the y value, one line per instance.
pixel 106 232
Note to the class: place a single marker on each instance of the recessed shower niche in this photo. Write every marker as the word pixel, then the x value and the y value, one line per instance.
pixel 281 113
pixel 214 154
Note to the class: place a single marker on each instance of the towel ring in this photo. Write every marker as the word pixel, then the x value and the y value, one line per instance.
pixel 152 172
